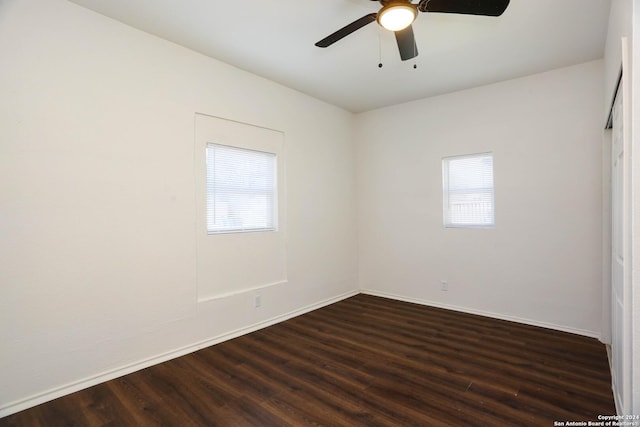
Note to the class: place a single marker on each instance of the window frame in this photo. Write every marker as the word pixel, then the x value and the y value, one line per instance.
pixel 447 192
pixel 273 192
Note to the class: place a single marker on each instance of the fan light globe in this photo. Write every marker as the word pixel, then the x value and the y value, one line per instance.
pixel 396 17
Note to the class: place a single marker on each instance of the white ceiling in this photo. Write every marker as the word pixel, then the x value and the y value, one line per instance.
pixel 275 39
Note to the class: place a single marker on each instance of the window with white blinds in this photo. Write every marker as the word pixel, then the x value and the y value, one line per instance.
pixel 241 190
pixel 468 190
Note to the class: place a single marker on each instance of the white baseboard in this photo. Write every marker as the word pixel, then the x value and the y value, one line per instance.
pixel 583 332
pixel 29 402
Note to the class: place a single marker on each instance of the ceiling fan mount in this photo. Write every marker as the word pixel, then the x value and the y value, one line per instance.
pixel 398 15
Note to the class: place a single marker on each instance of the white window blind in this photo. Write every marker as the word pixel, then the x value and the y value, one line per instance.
pixel 468 190
pixel 241 190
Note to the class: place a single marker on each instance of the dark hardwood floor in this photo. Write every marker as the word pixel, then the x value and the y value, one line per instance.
pixel 364 361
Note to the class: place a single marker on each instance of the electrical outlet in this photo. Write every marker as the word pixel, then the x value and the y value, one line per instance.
pixel 258 301
pixel 444 285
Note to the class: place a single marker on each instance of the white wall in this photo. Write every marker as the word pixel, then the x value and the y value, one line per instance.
pixel 620 25
pixel 219 274
pixel 98 209
pixel 542 262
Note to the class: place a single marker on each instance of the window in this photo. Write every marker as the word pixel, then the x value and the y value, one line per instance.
pixel 468 190
pixel 241 190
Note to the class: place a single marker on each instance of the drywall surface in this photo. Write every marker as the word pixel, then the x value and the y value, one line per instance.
pixel 541 263
pixel 620 25
pixel 98 208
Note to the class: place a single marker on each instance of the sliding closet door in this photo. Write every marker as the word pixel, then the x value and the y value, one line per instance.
pixel 621 318
pixel 617 251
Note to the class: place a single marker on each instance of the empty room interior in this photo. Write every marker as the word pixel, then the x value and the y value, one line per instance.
pixel 209 220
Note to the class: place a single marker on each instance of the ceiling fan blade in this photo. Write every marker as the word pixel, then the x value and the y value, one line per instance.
pixel 406 43
pixel 345 31
pixel 465 7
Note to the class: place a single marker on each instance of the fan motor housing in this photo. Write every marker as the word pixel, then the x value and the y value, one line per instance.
pixel 386 2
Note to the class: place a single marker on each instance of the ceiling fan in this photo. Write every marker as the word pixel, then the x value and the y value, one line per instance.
pixel 398 15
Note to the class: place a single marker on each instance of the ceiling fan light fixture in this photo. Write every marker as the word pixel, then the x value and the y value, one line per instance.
pixel 397 16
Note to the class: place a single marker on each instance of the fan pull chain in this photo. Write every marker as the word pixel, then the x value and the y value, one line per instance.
pixel 379 50
pixel 415 55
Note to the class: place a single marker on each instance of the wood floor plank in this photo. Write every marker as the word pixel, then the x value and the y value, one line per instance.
pixel 364 361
